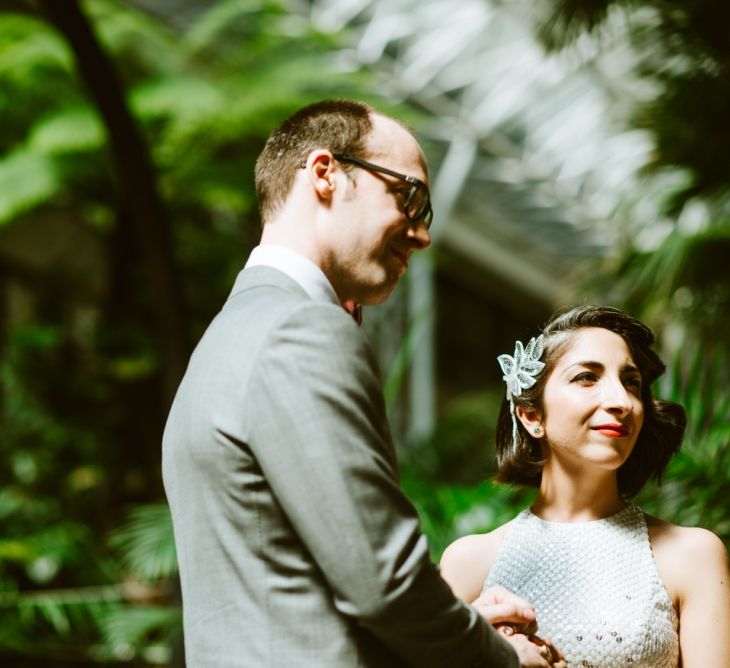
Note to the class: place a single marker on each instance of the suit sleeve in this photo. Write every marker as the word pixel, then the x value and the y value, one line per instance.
pixel 326 452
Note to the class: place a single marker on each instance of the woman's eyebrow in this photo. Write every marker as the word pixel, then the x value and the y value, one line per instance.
pixel 586 363
pixel 598 366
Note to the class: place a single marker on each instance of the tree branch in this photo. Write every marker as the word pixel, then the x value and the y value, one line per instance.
pixel 137 186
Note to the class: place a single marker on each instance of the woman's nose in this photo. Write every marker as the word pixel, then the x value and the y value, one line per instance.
pixel 617 399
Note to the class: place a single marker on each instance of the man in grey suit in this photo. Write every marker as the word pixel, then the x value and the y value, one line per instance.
pixel 295 542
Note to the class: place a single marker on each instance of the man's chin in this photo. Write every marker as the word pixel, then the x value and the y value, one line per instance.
pixel 378 294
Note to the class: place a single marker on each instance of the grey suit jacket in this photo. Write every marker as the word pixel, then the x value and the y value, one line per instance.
pixel 295 542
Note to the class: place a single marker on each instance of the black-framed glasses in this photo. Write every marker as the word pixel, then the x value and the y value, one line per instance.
pixel 417 205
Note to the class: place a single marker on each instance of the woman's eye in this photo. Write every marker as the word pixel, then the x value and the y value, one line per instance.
pixel 585 377
pixel 633 382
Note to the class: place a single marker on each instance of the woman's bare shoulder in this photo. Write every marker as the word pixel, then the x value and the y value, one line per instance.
pixel 688 540
pixel 687 557
pixel 466 563
pixel 476 546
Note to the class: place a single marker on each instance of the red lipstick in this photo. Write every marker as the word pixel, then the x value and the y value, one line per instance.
pixel 613 430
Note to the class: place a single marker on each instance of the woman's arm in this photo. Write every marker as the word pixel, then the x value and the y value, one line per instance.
pixel 704 606
pixel 693 565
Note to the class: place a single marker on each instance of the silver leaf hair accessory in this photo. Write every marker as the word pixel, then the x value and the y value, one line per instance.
pixel 519 373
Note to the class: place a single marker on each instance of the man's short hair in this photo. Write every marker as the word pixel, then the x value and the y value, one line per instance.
pixel 342 126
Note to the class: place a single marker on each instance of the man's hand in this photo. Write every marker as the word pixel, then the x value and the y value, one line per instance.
pixel 514 618
pixel 499 606
pixel 534 652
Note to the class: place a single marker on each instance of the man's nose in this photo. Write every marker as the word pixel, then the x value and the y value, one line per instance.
pixel 419 235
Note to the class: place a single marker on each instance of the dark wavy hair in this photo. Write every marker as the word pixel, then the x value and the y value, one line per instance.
pixel 342 126
pixel 664 421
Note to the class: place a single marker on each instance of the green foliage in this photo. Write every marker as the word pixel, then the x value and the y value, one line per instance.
pixel 684 280
pixel 80 407
pixel 565 20
pixel 71 130
pixel 460 449
pixel 109 622
pixel 47 528
pixel 449 475
pixel 683 49
pixel 43 116
pixel 450 511
pixel 142 631
pixel 62 609
pixel 35 69
pixel 697 481
pixel 26 180
pixel 80 371
pixel 146 543
pixel 680 287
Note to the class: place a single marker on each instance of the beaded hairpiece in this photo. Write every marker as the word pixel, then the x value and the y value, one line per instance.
pixel 519 373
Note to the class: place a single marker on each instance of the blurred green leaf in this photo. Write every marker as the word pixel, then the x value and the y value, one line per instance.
pixel 134 627
pixel 146 543
pixel 69 131
pixel 26 180
pixel 28 43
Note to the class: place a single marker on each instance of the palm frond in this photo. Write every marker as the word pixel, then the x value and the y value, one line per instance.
pixel 568 19
pixel 61 609
pixel 137 627
pixel 697 480
pixel 146 543
pixel 217 19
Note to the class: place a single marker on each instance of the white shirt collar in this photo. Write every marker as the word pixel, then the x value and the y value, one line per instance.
pixel 309 276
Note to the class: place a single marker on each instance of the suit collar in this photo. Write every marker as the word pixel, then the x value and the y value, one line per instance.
pixel 296 266
pixel 252 277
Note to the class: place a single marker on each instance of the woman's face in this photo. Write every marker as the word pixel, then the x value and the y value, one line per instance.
pixel 592 408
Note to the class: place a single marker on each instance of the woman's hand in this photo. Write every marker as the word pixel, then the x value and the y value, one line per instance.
pixel 500 606
pixel 514 618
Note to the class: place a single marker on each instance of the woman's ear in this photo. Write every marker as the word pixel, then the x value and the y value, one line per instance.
pixel 531 420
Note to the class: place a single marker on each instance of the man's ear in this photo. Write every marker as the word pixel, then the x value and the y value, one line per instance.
pixel 531 420
pixel 320 167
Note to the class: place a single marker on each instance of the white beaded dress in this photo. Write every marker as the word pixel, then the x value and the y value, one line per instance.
pixel 595 588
